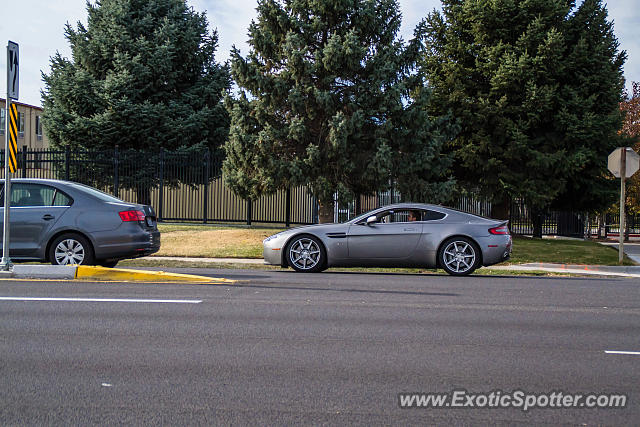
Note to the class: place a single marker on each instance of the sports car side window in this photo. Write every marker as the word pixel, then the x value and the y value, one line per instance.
pixel 432 215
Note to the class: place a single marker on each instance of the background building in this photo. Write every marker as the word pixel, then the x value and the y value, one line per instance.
pixel 30 132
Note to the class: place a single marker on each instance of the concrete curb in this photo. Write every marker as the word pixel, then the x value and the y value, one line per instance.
pixel 124 274
pixel 60 272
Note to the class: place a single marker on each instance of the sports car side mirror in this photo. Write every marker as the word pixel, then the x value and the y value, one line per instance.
pixel 372 220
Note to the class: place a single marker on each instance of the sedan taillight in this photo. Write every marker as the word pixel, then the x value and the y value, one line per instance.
pixel 127 216
pixel 502 229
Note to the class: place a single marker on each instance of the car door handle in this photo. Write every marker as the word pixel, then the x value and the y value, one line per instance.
pixel 409 229
pixel 48 217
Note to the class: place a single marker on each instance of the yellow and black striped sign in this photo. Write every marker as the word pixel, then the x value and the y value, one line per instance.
pixel 13 138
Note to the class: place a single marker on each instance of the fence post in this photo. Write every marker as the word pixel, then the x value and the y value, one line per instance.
pixel 24 161
pixel 67 163
pixel 314 211
pixel 207 158
pixel 116 177
pixel 287 215
pixel 161 193
pixel 249 213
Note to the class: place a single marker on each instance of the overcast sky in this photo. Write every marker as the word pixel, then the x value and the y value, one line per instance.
pixel 38 27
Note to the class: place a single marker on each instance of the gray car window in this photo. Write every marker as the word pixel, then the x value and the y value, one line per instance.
pixel 396 215
pixel 61 199
pixel 402 215
pixel 33 195
pixel 432 215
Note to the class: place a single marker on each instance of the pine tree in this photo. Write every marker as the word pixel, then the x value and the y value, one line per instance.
pixel 328 99
pixel 142 76
pixel 631 128
pixel 535 86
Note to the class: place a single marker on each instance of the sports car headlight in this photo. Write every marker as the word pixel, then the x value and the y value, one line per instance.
pixel 271 237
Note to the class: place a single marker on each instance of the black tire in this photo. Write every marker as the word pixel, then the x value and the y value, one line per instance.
pixel 306 254
pixel 459 256
pixel 109 264
pixel 70 249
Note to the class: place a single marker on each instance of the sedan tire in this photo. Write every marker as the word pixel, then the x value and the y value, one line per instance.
pixel 306 254
pixel 459 256
pixel 108 264
pixel 69 249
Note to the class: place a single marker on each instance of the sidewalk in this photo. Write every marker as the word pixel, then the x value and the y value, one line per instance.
pixel 594 270
pixel 632 250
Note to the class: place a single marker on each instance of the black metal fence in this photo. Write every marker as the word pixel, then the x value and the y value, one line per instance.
pixel 611 225
pixel 188 185
pixel 185 185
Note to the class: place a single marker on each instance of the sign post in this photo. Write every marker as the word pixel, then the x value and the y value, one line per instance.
pixel 10 144
pixel 623 162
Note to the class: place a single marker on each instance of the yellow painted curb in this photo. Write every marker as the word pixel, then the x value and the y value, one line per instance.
pixel 123 274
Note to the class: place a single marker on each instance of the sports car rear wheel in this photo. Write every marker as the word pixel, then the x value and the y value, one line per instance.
pixel 459 256
pixel 306 254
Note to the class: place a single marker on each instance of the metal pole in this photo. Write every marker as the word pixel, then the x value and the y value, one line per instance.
pixel 207 159
pixel 5 263
pixel 623 174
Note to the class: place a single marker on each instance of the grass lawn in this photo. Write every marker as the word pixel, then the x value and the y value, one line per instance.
pixel 563 251
pixel 212 242
pixel 246 242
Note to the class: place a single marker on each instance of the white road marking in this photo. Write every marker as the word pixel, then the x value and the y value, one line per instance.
pixel 164 301
pixel 107 385
pixel 637 353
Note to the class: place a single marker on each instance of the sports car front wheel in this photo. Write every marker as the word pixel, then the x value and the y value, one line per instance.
pixel 306 254
pixel 459 256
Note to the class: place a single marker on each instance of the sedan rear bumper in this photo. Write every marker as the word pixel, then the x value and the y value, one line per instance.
pixel 133 246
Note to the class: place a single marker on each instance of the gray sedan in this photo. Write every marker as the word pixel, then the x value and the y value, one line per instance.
pixel 69 223
pixel 401 235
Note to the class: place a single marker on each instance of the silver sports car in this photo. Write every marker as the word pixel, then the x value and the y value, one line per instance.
pixel 401 235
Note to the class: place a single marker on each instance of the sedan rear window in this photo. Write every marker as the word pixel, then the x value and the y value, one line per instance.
pixel 96 193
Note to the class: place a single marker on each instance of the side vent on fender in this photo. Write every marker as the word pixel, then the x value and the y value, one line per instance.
pixel 336 235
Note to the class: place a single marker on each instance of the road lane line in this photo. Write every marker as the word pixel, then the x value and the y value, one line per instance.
pixel 163 301
pixel 637 353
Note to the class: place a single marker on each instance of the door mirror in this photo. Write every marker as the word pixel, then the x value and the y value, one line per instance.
pixel 372 220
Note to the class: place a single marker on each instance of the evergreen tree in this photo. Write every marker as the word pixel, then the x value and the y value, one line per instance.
pixel 631 128
pixel 327 99
pixel 536 87
pixel 142 76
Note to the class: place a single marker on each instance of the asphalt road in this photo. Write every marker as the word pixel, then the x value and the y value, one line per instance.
pixel 286 348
